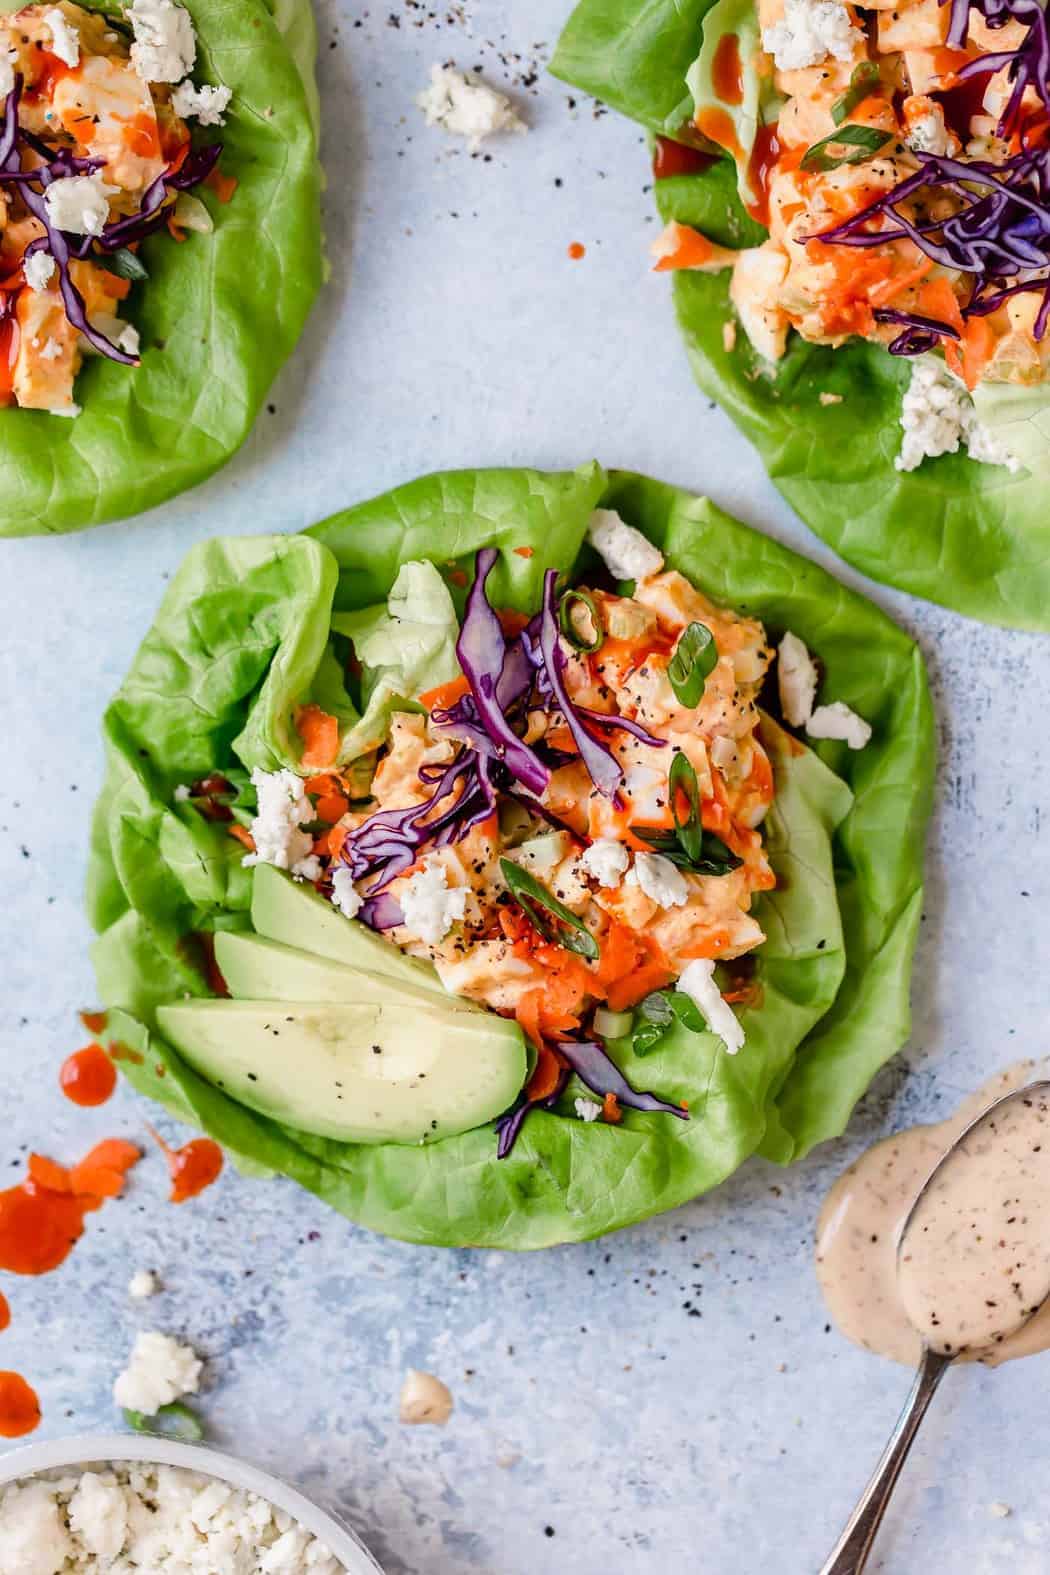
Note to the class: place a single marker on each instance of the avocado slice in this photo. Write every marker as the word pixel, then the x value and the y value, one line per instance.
pixel 260 970
pixel 291 912
pixel 382 1072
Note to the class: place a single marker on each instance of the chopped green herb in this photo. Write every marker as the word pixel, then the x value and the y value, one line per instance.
pixel 689 846
pixel 185 1424
pixel 540 906
pixel 658 1012
pixel 568 627
pixel 865 142
pixel 695 658
pixel 681 779
pixel 863 82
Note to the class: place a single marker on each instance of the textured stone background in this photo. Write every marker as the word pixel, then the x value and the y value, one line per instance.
pixel 669 1398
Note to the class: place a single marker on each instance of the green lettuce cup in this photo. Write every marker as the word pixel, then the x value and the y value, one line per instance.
pixel 252 630
pixel 218 314
pixel 827 422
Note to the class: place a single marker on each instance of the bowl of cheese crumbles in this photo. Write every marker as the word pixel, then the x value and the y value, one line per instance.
pixel 113 1503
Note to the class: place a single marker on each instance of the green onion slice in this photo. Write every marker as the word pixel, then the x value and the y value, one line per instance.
pixel 865 142
pixel 126 265
pixel 695 659
pixel 863 82
pixel 185 1423
pixel 569 629
pixel 681 779
pixel 540 906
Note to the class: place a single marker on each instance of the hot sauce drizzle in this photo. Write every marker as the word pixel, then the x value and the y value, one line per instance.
pixel 717 126
pixel 5 1313
pixel 760 168
pixel 674 158
pixel 88 1077
pixel 19 1406
pixel 193 1167
pixel 727 74
pixel 42 1219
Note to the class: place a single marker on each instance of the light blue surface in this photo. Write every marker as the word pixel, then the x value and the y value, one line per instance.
pixel 667 1399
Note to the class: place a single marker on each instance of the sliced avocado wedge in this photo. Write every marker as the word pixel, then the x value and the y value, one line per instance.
pixel 259 970
pixel 369 1073
pixel 291 912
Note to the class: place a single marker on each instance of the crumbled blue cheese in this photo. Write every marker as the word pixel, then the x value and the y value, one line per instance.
pixel 628 555
pixel 345 894
pixel 839 722
pixel 38 269
pixel 65 38
pixel 283 809
pixel 809 32
pixel 660 880
pixel 79 204
pixel 937 415
pixel 929 134
pixel 465 108
pixel 587 1109
pixel 183 793
pixel 607 861
pixel 796 680
pixel 143 1284
pixel 697 980
pixel 145 1518
pixel 429 907
pixel 160 1370
pixel 165 46
pixel 208 105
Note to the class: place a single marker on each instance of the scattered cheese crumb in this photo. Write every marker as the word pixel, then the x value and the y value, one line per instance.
pixel 65 38
pixel 839 722
pixel 208 105
pixel 160 1370
pixel 429 907
pixel 345 894
pixel 165 46
pixel 79 204
pixel 588 1109
pixel 660 880
pixel 607 860
pixel 937 415
pixel 8 62
pixel 1000 1511
pixel 465 108
pixel 809 32
pixel 697 980
pixel 627 553
pixel 729 336
pixel 182 793
pixel 425 1398
pixel 830 399
pixel 796 680
pixel 929 134
pixel 283 808
pixel 143 1284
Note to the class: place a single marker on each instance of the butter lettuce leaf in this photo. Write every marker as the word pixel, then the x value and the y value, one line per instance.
pixel 736 19
pixel 219 314
pixel 826 422
pixel 239 639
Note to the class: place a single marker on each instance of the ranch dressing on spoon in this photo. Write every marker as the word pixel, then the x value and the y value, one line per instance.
pixel 975 1262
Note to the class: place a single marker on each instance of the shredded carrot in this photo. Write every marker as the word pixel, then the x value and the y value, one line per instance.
pixel 320 734
pixel 885 291
pixel 611 1111
pixel 116 288
pixel 977 350
pixel 443 696
pixel 242 835
pixel 222 185
pixel 177 233
pixel 528 1015
pixel 628 992
pixel 544 1079
pixel 938 299
pixel 47 1173
pixel 524 552
pixel 330 843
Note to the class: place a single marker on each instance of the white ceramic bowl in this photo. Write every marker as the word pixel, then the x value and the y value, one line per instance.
pixel 93 1449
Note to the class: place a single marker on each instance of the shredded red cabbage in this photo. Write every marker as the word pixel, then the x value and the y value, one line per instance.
pixel 1029 64
pixel 508 1127
pixel 482 652
pixel 593 1066
pixel 1001 229
pixel 920 333
pixel 602 766
pixel 119 232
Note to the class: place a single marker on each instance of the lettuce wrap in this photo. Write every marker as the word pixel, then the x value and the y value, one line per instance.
pixel 252 629
pixel 218 314
pixel 827 422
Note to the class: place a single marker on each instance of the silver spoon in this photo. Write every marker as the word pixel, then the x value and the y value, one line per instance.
pixel 850 1553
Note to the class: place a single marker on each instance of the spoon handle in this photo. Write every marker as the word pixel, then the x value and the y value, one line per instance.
pixel 850 1553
